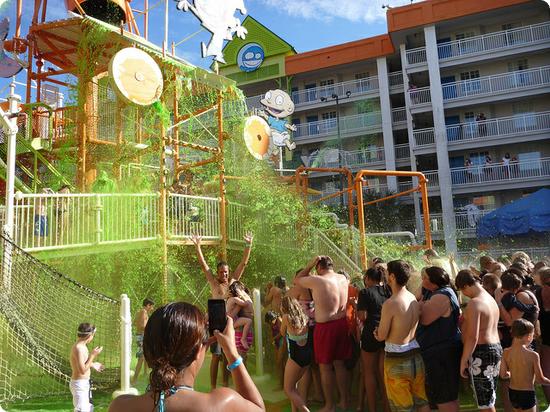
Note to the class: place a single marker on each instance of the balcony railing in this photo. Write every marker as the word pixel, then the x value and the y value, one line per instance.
pixel 395 79
pixel 364 156
pixel 500 83
pixel 420 95
pixel 356 87
pixel 515 171
pixel 47 221
pixel 423 137
pixel 500 40
pixel 506 39
pixel 466 222
pixel 348 124
pixel 193 214
pixel 433 178
pixel 503 126
pixel 402 151
pixel 416 56
pixel 398 115
pixel 493 173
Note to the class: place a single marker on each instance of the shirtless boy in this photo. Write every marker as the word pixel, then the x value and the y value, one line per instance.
pixel 140 321
pixel 404 374
pixel 482 351
pixel 219 286
pixel 331 342
pixel 81 363
pixel 522 366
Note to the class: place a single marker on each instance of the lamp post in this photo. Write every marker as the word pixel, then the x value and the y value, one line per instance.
pixel 336 98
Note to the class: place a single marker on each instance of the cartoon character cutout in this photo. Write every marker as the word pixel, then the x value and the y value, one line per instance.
pixel 218 18
pixel 277 107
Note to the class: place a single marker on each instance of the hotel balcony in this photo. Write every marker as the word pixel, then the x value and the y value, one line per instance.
pixel 402 153
pixel 328 129
pixel 505 86
pixel 373 157
pixel 395 80
pixel 356 89
pixel 359 89
pixel 486 46
pixel 483 178
pixel 399 117
pixel 501 130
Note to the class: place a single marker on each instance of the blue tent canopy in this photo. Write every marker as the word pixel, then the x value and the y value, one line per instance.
pixel 530 213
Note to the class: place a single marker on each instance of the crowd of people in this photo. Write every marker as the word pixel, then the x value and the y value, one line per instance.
pixel 399 346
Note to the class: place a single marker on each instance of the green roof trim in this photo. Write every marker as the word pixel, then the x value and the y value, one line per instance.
pixel 257 33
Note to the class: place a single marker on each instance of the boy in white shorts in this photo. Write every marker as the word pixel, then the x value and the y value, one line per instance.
pixel 81 362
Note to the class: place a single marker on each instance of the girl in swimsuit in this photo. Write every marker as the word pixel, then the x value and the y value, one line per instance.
pixel 239 308
pixel 175 363
pixel 300 349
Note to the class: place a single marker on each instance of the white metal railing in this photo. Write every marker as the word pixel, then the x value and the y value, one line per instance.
pixel 402 151
pixel 506 39
pixel 322 245
pixel 236 221
pixel 348 124
pixel 46 221
pixel 187 215
pixel 499 83
pixel 504 126
pixel 433 178
pixel 395 79
pixel 399 115
pixel 423 137
pixel 515 171
pixel 416 55
pixel 355 87
pixel 420 95
pixel 364 156
pixel 402 186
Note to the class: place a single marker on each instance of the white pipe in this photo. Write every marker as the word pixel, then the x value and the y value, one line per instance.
pixel 9 122
pixel 125 348
pixel 258 332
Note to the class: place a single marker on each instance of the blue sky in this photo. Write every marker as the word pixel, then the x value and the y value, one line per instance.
pixel 306 24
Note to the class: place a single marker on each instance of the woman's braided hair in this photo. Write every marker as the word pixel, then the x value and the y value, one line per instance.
pixel 172 339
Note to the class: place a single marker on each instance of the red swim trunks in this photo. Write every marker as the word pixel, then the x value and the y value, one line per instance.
pixel 331 341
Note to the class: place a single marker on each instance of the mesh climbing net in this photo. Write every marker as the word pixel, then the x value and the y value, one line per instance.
pixel 40 310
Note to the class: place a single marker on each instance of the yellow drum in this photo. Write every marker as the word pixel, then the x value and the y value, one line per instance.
pixel 257 137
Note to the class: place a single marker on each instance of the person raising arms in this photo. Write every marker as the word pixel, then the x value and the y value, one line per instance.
pixel 219 287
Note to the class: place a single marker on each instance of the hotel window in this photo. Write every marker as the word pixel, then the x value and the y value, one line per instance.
pixel 326 88
pixel 330 118
pixel 362 83
pixel 470 86
pixel 465 45
pixel 521 77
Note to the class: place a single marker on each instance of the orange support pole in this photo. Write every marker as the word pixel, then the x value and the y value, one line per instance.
pixel 360 206
pixel 361 222
pixel 426 210
pixel 350 201
pixel 223 222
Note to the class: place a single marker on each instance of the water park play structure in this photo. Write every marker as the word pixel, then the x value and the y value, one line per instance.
pixel 134 171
